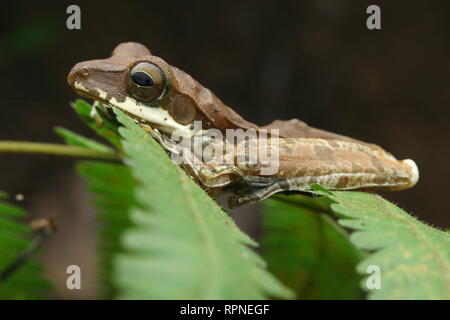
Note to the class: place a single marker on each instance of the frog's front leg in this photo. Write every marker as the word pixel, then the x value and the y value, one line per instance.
pixel 208 175
pixel 213 176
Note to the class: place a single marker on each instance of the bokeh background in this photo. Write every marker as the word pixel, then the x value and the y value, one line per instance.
pixel 312 60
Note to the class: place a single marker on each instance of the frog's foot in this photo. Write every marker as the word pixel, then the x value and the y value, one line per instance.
pixel 251 195
pixel 185 156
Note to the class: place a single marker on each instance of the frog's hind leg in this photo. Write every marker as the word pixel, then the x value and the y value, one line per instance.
pixel 245 196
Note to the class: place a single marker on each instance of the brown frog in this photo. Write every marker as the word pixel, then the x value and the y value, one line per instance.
pixel 163 100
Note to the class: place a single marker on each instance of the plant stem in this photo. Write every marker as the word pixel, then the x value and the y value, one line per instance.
pixel 55 150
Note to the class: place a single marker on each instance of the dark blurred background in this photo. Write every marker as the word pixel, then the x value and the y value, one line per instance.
pixel 312 60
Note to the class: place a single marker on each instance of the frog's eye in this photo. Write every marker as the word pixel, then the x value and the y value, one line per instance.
pixel 146 81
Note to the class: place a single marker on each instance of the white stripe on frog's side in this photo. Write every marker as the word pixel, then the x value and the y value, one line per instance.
pixel 158 118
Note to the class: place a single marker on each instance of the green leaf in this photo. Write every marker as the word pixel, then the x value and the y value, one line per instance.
pixel 182 245
pixel 414 258
pixel 112 189
pixel 26 282
pixel 75 139
pixel 108 129
pixel 307 251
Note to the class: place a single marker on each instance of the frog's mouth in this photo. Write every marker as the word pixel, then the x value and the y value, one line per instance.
pixel 145 114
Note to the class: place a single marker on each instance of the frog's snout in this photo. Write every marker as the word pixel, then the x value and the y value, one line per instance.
pixel 77 74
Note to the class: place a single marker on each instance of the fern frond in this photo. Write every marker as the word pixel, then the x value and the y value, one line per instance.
pixel 307 251
pixel 74 139
pixel 182 245
pixel 112 191
pixel 414 258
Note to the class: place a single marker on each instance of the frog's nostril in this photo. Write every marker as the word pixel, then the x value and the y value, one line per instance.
pixel 83 72
pixel 77 74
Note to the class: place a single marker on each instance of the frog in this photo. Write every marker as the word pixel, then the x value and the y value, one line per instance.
pixel 165 100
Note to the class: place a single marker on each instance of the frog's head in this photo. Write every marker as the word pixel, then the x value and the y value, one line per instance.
pixel 137 82
pixel 150 90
